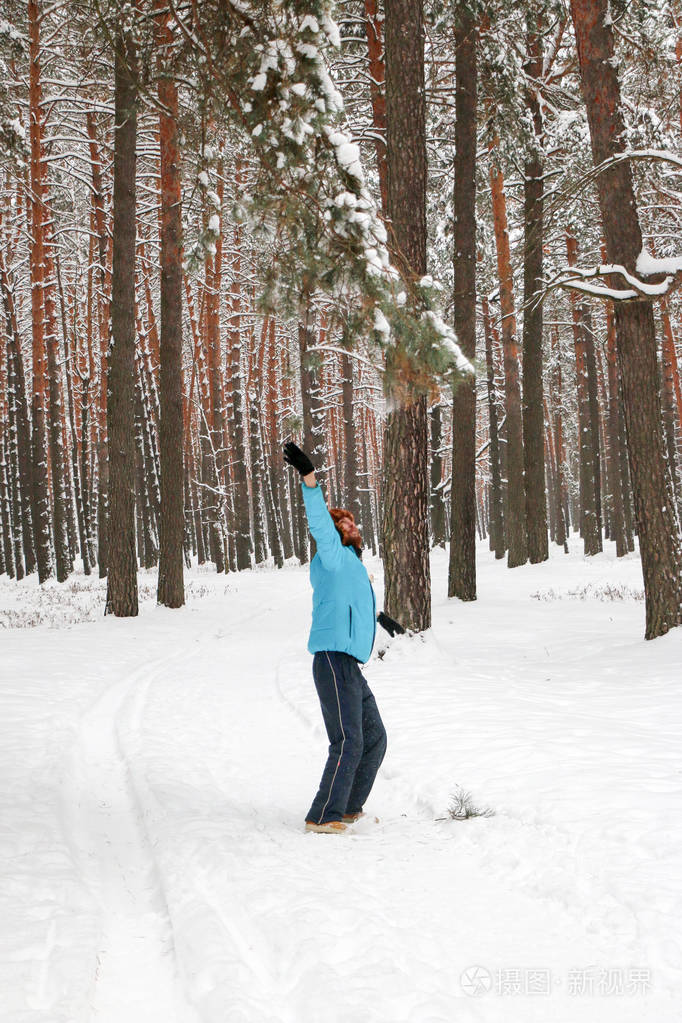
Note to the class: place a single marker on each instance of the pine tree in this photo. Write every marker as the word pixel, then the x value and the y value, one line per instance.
pixel 122 568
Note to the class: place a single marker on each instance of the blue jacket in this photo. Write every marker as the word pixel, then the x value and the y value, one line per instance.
pixel 344 605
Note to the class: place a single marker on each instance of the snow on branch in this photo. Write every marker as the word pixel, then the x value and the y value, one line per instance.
pixel 307 201
pixel 575 279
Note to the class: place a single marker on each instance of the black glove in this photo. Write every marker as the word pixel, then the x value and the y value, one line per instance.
pixel 392 627
pixel 294 456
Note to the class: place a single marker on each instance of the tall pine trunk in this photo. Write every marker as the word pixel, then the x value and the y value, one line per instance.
pixel 171 590
pixel 588 442
pixel 462 564
pixel 122 574
pixel 63 560
pixel 40 497
pixel 351 493
pixel 19 422
pixel 104 325
pixel 533 397
pixel 405 541
pixel 613 427
pixel 436 495
pixel 515 510
pixel 496 499
pixel 659 539
pixel 242 519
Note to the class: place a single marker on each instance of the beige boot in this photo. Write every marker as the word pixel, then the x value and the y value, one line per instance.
pixel 350 818
pixel 330 828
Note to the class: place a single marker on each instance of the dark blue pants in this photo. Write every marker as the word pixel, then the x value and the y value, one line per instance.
pixel 357 737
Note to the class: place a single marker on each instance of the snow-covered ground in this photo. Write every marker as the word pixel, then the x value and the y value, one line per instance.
pixel 155 774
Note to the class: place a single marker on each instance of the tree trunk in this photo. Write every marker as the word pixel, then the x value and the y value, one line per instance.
pixel 104 323
pixel 351 496
pixel 405 541
pixel 242 521
pixel 215 441
pixel 615 475
pixel 436 495
pixel 496 500
pixel 533 398
pixel 39 470
pixel 63 562
pixel 122 574
pixel 588 442
pixel 19 422
pixel 670 383
pixel 557 409
pixel 515 511
pixel 659 539
pixel 313 415
pixel 171 590
pixel 462 563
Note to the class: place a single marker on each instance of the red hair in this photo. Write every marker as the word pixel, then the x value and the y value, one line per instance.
pixel 344 520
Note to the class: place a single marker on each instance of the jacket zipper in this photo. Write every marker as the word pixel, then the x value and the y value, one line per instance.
pixel 350 621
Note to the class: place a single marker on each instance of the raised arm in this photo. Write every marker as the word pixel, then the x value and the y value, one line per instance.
pixel 321 524
pixel 327 538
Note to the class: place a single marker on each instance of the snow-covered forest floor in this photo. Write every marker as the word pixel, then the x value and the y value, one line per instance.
pixel 156 772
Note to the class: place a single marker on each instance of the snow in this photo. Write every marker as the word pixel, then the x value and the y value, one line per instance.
pixel 648 264
pixel 448 341
pixel 331 30
pixel 156 772
pixel 381 324
pixel 310 22
pixel 640 286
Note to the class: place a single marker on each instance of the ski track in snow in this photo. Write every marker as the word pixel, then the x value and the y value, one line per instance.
pixel 188 777
pixel 104 827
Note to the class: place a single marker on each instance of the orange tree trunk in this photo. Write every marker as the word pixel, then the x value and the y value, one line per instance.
pixel 659 539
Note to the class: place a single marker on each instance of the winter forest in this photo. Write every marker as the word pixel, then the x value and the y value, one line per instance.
pixel 439 246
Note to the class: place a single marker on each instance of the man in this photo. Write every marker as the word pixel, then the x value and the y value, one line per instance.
pixel 341 638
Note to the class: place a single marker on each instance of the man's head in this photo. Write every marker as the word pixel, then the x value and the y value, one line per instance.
pixel 344 521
